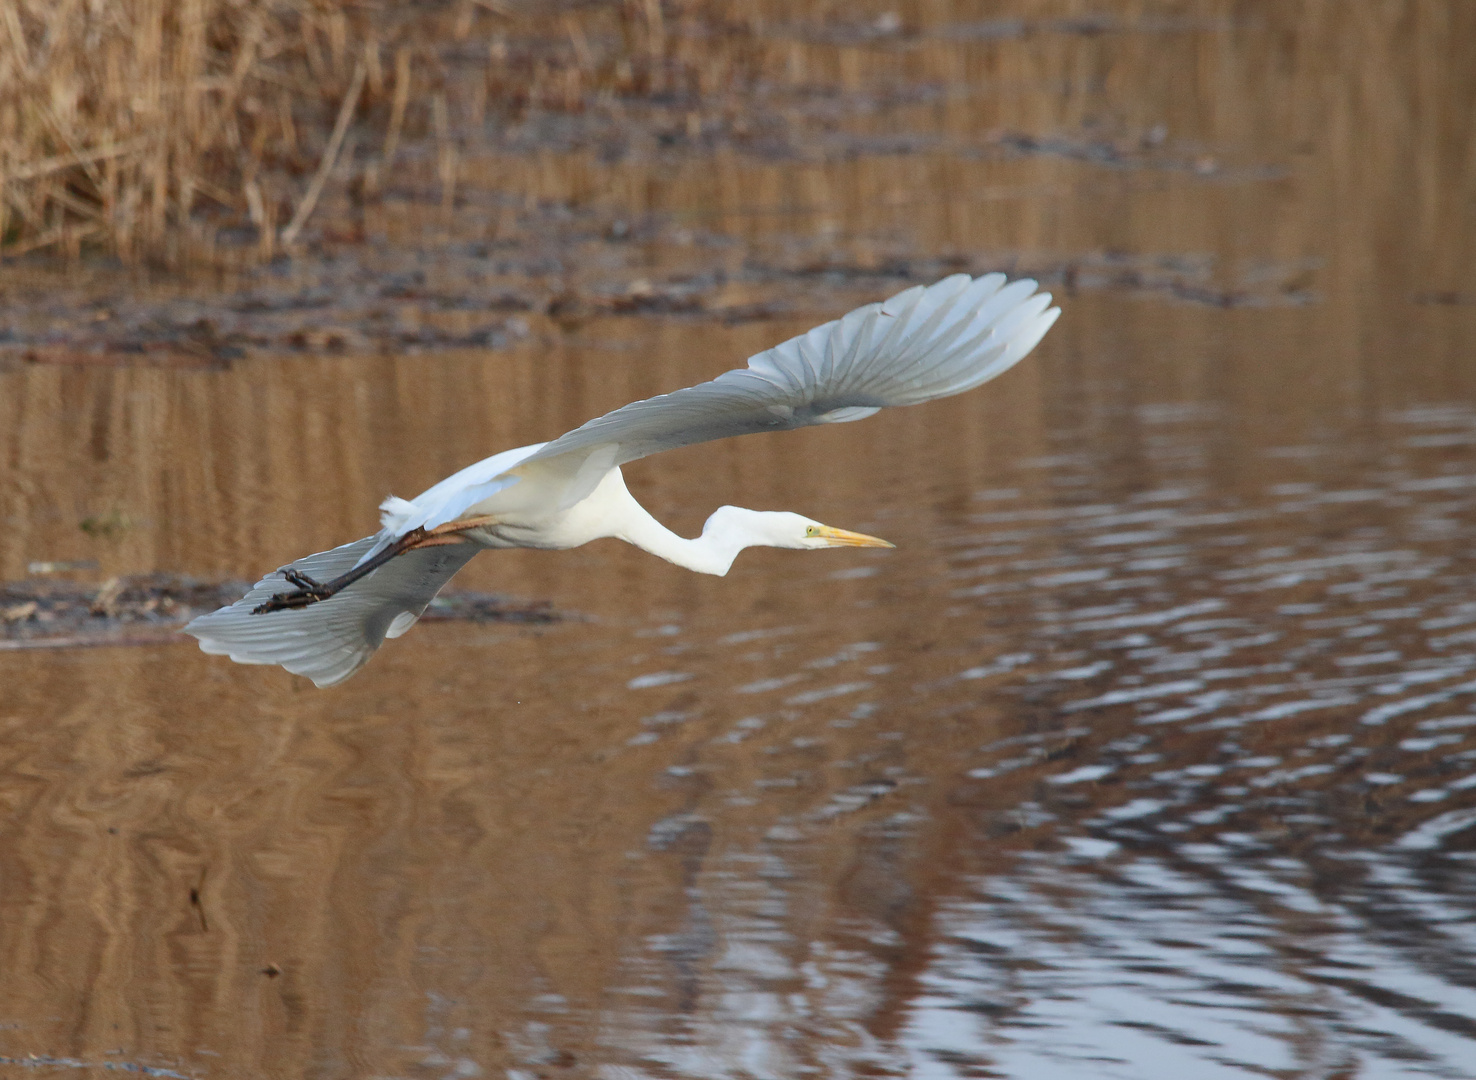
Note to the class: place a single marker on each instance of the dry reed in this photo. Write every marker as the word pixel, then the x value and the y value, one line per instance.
pixel 188 131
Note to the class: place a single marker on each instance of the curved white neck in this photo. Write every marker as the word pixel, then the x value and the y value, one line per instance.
pixel 611 510
pixel 711 553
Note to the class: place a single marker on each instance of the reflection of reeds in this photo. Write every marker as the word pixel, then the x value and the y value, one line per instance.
pixel 149 129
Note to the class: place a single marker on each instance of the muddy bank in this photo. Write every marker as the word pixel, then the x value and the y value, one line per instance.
pixel 146 609
pixel 468 297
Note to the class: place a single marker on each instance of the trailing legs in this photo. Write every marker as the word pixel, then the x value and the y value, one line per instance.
pixel 309 591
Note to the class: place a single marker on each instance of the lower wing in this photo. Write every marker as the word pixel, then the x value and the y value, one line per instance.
pixel 330 640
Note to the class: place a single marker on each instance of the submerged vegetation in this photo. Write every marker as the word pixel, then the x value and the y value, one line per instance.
pixel 205 130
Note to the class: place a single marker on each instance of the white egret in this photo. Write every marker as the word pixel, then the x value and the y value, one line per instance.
pixel 323 616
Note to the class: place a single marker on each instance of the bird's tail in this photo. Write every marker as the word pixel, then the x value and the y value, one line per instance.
pixel 330 640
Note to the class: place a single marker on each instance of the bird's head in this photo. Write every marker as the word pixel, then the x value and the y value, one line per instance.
pixel 782 529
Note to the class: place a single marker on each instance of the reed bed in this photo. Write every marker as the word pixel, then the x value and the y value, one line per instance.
pixel 178 132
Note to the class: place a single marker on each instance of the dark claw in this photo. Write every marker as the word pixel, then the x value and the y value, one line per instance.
pixel 301 580
pixel 284 600
pixel 308 591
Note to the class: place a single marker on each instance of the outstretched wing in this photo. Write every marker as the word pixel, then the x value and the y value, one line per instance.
pixel 331 640
pixel 924 343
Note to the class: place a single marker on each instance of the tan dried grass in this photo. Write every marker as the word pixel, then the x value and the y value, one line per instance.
pixel 146 127
pixel 117 120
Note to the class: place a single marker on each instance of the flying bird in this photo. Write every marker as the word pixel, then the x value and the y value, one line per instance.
pixel 323 616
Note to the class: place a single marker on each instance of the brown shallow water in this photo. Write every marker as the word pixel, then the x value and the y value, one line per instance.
pixel 1151 751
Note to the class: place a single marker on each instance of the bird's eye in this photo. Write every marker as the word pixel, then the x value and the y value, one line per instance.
pixel 811 530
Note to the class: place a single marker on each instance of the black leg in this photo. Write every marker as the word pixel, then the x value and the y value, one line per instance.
pixel 309 591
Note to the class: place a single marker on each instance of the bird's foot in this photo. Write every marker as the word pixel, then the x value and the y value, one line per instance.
pixel 308 591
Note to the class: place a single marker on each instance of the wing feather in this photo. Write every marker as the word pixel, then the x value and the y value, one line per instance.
pixel 331 640
pixel 924 343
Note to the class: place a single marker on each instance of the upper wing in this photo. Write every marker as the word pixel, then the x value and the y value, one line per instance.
pixel 924 343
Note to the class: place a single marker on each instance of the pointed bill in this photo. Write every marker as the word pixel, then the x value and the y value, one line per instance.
pixel 843 538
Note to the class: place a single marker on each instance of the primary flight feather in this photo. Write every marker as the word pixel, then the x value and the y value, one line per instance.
pixel 323 616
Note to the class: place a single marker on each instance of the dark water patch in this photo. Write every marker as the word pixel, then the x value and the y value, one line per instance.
pixel 46 1061
pixel 1086 25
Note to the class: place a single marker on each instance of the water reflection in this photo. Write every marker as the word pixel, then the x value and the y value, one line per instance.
pixel 1231 751
pixel 1218 960
pixel 1152 747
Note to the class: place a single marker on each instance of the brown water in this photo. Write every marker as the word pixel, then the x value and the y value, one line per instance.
pixel 1151 751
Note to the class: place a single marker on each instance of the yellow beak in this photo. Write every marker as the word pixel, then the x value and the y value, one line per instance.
pixel 842 538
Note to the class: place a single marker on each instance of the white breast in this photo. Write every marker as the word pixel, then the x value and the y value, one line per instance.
pixel 595 517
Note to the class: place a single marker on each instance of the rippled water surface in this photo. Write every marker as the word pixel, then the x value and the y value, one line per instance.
pixel 1150 752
